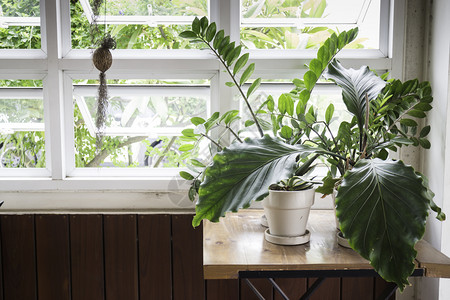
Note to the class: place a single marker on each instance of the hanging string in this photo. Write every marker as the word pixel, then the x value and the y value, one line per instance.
pixel 102 60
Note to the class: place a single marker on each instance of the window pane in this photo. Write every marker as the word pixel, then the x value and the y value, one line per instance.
pixel 22 141
pixel 297 24
pixel 20 24
pixel 321 97
pixel 144 24
pixel 144 121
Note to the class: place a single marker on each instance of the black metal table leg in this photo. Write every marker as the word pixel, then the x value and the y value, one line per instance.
pixel 312 289
pixel 254 289
pixel 277 287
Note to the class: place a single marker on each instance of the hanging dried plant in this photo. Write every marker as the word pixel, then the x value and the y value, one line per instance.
pixel 102 60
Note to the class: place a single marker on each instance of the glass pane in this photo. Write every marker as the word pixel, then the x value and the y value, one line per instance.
pixel 20 24
pixel 306 24
pixel 138 24
pixel 144 121
pixel 22 141
pixel 20 8
pixel 155 8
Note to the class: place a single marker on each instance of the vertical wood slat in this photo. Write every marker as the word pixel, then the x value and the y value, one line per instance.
pixel 53 257
pixel 294 288
pixel 18 257
pixel 154 257
pixel 86 241
pixel 263 286
pixel 330 289
pixel 357 288
pixel 187 259
pixel 223 289
pixel 121 257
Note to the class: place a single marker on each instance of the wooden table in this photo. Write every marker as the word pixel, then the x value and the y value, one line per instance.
pixel 235 247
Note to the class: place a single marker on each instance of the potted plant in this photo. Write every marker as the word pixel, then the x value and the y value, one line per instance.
pixel 287 210
pixel 381 204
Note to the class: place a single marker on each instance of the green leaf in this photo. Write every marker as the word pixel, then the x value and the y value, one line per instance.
pixel 225 42
pixel 240 63
pixel 242 173
pixel 408 122
pixel 253 87
pixel 197 121
pixel 196 25
pixel 289 105
pixel 186 175
pixel 210 32
pixel 249 123
pixel 316 66
pixel 188 34
pixel 355 85
pixel 233 55
pixel 310 80
pixel 382 206
pixel 310 118
pixel 188 132
pixel 192 193
pixel 218 38
pixel 328 185
pixel 211 120
pixel 230 84
pixel 197 163
pixel 425 143
pixel 282 103
pixel 286 132
pixel 186 147
pixel 203 25
pixel 226 50
pixel 423 106
pixel 417 113
pixel 329 113
pixel 425 131
pixel 270 103
pixel 247 73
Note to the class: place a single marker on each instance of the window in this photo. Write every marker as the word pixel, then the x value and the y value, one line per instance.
pixel 158 81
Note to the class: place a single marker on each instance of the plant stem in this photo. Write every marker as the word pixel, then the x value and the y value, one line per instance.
pixel 212 141
pixel 237 85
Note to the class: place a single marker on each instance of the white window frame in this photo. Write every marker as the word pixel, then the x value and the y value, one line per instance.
pixel 57 65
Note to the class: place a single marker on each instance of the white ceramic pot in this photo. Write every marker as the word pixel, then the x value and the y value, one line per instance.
pixel 287 212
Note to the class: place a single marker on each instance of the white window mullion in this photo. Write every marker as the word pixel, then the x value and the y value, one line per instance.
pixel 53 97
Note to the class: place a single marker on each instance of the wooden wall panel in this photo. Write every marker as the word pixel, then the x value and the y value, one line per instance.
pixel 263 286
pixel 155 266
pixel 18 256
pixel 293 288
pixel 53 257
pixel 329 290
pixel 225 289
pixel 130 257
pixel 187 259
pixel 121 257
pixel 357 288
pixel 86 242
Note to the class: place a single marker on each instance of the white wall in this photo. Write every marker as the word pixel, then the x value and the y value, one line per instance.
pixel 436 161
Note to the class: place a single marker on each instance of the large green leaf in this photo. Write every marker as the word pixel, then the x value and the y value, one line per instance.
pixel 355 85
pixel 382 207
pixel 242 173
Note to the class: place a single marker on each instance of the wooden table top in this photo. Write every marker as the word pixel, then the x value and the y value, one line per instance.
pixel 237 243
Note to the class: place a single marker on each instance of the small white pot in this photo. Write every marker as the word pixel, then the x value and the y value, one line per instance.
pixel 287 212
